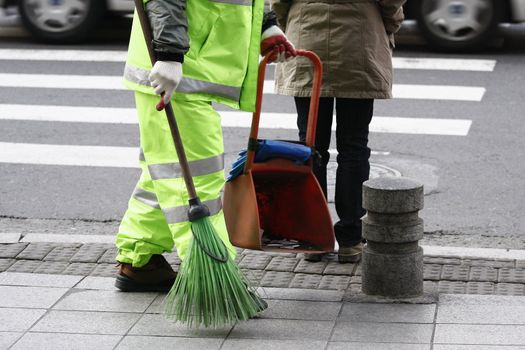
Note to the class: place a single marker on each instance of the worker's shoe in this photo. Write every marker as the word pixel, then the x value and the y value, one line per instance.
pixel 314 257
pixel 156 276
pixel 350 254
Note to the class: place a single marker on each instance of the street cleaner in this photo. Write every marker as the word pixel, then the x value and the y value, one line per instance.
pixel 206 51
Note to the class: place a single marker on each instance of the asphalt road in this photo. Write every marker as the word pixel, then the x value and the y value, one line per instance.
pixel 463 139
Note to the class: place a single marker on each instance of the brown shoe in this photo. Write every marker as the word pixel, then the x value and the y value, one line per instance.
pixel 156 276
pixel 350 254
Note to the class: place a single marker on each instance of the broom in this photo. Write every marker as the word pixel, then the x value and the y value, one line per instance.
pixel 210 289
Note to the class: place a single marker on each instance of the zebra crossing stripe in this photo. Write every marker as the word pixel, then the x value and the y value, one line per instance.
pixel 233 119
pixel 423 92
pixel 419 63
pixel 98 82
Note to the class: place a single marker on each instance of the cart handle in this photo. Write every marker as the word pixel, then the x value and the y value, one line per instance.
pixel 312 114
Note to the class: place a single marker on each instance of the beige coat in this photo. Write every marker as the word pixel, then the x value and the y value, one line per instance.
pixel 353 38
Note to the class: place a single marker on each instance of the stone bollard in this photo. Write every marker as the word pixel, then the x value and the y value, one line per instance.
pixel 392 264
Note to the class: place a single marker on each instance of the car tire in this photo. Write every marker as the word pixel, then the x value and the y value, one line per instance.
pixel 70 25
pixel 445 30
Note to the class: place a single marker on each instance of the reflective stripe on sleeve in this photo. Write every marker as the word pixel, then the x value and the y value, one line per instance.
pixel 187 85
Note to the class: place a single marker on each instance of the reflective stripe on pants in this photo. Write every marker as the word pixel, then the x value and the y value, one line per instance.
pixel 149 226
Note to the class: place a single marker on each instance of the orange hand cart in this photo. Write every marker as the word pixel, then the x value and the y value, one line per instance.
pixel 278 205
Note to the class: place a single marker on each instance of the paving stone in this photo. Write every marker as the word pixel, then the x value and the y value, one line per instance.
pixel 89 253
pixel 9 338
pixel 52 267
pixel 104 270
pixel 335 268
pixel 86 322
pixel 388 313
pixel 430 286
pixel 5 264
pixel 520 264
pixel 432 272
pixel 380 346
pixel 8 237
pixel 105 300
pixel 480 288
pixel 36 251
pixel 452 287
pixel 11 250
pixel 302 310
pixel 109 257
pixel 30 297
pixel 355 288
pixel 145 342
pixel 282 329
pixel 334 282
pixel 511 275
pixel 489 262
pixel 307 281
pixel 61 253
pixel 479 334
pixel 280 263
pixel 97 283
pixel 270 344
pixel 18 320
pixel 382 332
pixel 510 289
pixel 483 274
pixel 255 261
pixel 79 269
pixel 356 279
pixel 277 279
pixel 253 276
pixel 38 280
pixel 455 272
pixel 441 260
pixel 310 267
pixel 300 294
pixel 24 266
pixel 358 270
pixel 158 325
pixel 53 341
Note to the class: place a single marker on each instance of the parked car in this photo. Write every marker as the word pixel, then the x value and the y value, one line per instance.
pixel 463 25
pixel 445 24
pixel 66 21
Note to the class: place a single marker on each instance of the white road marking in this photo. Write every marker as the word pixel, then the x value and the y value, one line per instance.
pixel 420 63
pixel 63 55
pixel 107 82
pixel 398 125
pixel 446 64
pixel 45 154
pixel 423 92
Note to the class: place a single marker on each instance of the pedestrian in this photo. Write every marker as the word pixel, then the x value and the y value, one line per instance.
pixel 354 39
pixel 206 51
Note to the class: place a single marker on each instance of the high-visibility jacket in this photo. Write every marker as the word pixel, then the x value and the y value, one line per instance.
pixel 221 64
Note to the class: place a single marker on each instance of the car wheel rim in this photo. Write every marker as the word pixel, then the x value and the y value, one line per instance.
pixel 56 15
pixel 457 20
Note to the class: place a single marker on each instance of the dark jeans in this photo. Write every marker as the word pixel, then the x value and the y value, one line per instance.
pixel 353 168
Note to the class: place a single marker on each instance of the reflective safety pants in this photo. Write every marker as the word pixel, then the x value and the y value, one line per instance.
pixel 156 218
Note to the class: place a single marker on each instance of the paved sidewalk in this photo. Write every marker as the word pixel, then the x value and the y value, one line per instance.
pixel 60 295
pixel 44 311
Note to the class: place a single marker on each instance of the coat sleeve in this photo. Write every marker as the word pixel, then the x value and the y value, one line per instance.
pixel 169 26
pixel 281 9
pixel 392 13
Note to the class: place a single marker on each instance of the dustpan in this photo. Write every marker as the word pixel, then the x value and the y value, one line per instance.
pixel 278 205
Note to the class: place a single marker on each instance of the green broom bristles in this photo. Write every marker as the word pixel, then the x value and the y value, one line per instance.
pixel 207 291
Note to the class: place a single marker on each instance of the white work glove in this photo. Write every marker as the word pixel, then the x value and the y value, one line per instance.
pixel 274 39
pixel 165 76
